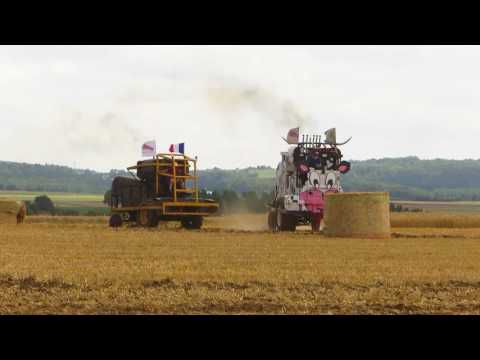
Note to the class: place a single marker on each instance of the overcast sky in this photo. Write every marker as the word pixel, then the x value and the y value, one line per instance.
pixel 94 106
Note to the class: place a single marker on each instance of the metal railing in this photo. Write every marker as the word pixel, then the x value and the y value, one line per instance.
pixel 171 163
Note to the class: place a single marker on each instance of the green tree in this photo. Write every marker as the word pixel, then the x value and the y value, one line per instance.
pixel 44 204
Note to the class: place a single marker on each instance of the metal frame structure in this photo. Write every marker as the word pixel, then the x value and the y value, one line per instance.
pixel 169 165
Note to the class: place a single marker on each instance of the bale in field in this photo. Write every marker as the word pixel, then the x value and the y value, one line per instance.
pixel 364 215
pixel 11 210
pixel 22 212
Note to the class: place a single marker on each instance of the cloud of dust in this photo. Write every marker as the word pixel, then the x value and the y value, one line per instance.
pixel 104 134
pixel 101 134
pixel 279 111
pixel 245 221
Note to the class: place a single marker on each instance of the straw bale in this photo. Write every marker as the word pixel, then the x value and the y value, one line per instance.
pixel 361 214
pixel 9 209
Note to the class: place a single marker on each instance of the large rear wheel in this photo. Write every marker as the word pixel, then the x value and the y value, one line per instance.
pixel 272 220
pixel 316 219
pixel 286 222
pixel 115 221
pixel 147 218
pixel 192 222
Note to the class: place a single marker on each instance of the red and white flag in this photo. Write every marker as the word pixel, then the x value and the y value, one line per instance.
pixel 293 135
pixel 149 148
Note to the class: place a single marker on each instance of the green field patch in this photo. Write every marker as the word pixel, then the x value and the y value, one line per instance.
pixel 83 210
pixel 31 195
pixel 442 206
pixel 76 204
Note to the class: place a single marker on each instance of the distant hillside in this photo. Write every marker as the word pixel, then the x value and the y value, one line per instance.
pixel 415 179
pixel 53 178
pixel 258 179
pixel 405 178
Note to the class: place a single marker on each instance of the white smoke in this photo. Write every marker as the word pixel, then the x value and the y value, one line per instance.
pixel 232 99
pixel 99 135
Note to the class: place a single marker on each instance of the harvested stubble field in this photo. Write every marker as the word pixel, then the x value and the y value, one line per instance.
pixel 77 265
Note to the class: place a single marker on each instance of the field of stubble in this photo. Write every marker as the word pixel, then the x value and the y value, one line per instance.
pixel 77 265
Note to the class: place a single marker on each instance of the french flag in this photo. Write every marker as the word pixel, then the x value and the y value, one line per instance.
pixel 177 148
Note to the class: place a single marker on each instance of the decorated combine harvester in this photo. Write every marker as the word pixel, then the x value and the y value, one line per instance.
pixel 164 188
pixel 309 170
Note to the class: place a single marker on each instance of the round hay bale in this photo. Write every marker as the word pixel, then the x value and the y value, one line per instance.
pixel 12 211
pixel 361 214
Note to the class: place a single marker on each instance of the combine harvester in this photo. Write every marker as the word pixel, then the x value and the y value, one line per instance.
pixel 159 191
pixel 308 171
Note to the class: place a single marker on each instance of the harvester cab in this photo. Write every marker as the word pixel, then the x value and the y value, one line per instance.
pixel 164 188
pixel 307 172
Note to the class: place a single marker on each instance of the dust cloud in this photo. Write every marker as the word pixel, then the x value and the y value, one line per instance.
pixel 102 134
pixel 279 111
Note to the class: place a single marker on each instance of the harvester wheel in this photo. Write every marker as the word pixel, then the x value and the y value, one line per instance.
pixel 316 219
pixel 115 221
pixel 147 218
pixel 153 219
pixel 272 219
pixel 286 222
pixel 192 222
pixel 291 223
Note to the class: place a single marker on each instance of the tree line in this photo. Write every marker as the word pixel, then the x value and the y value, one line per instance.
pixel 406 178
